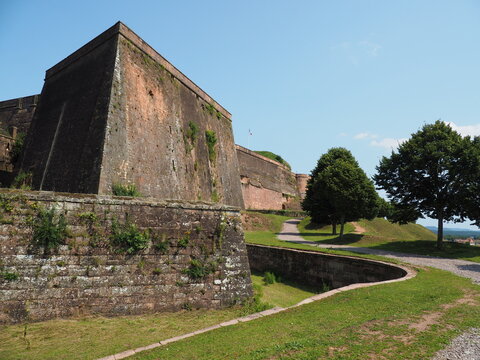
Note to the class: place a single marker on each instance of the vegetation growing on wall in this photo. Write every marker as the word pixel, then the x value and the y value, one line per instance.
pixel 8 276
pixel 22 181
pixel 210 109
pixel 274 157
pixel 199 269
pixel 128 238
pixel 125 190
pixel 190 136
pixel 211 138
pixel 49 229
pixel 18 147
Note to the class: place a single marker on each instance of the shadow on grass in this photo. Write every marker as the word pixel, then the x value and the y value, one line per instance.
pixel 281 279
pixel 419 247
pixel 348 239
pixel 428 247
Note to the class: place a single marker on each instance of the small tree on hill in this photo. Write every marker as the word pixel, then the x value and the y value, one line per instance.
pixel 340 191
pixel 435 173
pixel 316 203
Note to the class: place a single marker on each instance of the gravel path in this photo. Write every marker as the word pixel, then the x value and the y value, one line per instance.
pixel 463 347
pixel 462 268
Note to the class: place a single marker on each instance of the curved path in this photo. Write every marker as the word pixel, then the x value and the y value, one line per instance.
pixel 467 269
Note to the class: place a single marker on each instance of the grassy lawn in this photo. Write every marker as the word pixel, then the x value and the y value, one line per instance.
pixel 281 293
pixel 406 320
pixel 383 235
pixel 269 238
pixel 94 337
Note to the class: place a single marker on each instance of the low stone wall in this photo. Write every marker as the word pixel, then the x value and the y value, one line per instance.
pixel 195 256
pixel 317 269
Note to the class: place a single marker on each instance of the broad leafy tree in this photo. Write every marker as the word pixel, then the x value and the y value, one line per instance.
pixel 316 203
pixel 472 181
pixel 435 173
pixel 340 191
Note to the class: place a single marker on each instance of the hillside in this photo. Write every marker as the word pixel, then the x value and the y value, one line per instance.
pixel 274 157
pixel 377 231
pixel 382 228
pixel 383 235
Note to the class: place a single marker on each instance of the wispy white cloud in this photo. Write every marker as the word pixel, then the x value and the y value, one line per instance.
pixel 358 51
pixel 465 130
pixel 343 134
pixel 388 143
pixel 370 47
pixel 365 135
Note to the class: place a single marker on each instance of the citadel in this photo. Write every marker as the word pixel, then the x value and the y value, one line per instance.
pixel 116 112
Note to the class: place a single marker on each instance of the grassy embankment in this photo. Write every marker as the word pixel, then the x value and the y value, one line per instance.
pixel 94 337
pixel 383 235
pixel 405 320
pixel 262 229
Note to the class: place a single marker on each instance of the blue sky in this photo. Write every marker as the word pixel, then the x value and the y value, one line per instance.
pixel 303 76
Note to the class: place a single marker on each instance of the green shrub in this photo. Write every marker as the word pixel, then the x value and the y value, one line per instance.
pixel 192 131
pixel 9 276
pixel 215 197
pixel 254 304
pixel 125 190
pixel 156 271
pixel 210 109
pixel 6 204
pixel 128 237
pixel 49 229
pixel 162 246
pixel 183 242
pixel 190 136
pixel 269 278
pixel 187 307
pixel 22 181
pixel 211 138
pixel 199 269
pixel 18 147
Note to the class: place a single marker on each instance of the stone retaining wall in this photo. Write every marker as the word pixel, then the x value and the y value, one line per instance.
pixel 316 269
pixel 195 257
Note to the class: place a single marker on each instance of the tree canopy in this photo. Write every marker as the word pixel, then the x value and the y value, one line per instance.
pixel 436 174
pixel 340 191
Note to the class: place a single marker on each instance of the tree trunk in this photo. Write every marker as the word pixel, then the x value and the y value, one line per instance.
pixel 334 228
pixel 440 233
pixel 342 226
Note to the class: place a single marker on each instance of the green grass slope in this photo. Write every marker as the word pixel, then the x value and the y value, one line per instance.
pixel 407 320
pixel 383 235
pixel 274 157
pixel 382 228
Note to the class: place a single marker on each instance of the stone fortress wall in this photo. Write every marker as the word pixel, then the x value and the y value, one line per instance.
pixel 267 184
pixel 195 257
pixel 131 118
pixel 15 119
pixel 116 112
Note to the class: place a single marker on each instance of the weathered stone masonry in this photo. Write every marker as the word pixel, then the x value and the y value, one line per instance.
pixel 89 275
pixel 267 184
pixel 115 111
pixel 318 269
